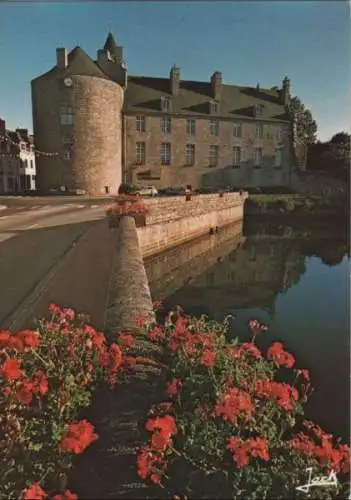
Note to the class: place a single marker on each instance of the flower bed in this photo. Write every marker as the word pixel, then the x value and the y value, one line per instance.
pixel 47 378
pixel 127 205
pixel 232 424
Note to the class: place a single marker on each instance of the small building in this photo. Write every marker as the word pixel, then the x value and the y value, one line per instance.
pixel 17 160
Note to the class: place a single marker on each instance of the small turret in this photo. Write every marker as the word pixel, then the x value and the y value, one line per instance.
pixel 285 92
pixel 174 77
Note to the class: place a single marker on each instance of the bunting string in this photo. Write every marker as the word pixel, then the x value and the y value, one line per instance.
pixel 8 140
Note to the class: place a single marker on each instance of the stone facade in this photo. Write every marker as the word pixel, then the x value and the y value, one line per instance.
pixel 100 142
pixel 201 174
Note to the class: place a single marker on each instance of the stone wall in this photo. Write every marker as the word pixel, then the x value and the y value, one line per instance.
pixel 200 174
pixel 163 210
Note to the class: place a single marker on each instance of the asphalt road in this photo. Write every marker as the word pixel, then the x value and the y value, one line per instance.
pixel 33 240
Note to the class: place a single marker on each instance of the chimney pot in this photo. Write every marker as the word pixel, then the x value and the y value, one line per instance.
pixel 62 58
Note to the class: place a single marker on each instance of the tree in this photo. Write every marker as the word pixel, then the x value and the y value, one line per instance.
pixel 306 125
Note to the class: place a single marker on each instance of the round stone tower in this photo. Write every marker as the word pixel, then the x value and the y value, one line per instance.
pixel 77 112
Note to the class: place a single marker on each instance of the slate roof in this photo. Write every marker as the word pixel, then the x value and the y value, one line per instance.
pixel 79 63
pixel 110 44
pixel 143 95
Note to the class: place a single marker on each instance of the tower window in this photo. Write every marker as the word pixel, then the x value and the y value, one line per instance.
pixel 140 124
pixel 191 127
pixel 237 130
pixel 66 115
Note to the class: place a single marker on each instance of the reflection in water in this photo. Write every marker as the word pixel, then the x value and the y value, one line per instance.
pixel 294 279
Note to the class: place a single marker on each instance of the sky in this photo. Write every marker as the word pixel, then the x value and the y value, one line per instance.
pixel 249 42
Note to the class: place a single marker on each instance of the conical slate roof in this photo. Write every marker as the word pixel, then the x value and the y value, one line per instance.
pixel 79 63
pixel 110 45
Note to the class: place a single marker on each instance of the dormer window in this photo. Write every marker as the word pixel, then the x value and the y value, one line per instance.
pixel 166 104
pixel 258 110
pixel 214 107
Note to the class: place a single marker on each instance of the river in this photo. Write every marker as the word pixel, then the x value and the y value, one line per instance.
pixel 293 278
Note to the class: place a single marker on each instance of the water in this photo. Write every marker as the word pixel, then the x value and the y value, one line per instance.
pixel 293 279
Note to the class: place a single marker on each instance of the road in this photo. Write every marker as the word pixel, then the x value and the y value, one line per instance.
pixel 33 240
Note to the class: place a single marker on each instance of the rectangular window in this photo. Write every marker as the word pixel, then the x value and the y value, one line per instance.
pixel 140 153
pixel 67 140
pixel 67 155
pixel 165 153
pixel 213 156
pixel 166 125
pixel 31 164
pixel 259 130
pixel 237 129
pixel 191 127
pixel 214 127
pixel 66 115
pixel 140 123
pixel 279 133
pixel 190 154
pixel 166 103
pixel 214 107
pixel 259 110
pixel 23 147
pixel 236 157
pixel 258 157
pixel 278 158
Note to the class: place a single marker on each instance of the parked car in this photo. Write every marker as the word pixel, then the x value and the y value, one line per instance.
pixel 147 191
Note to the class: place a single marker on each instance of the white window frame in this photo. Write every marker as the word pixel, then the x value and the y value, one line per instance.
pixel 140 153
pixel 237 156
pixel 214 127
pixel 140 123
pixel 214 107
pixel 259 130
pixel 213 155
pixel 237 129
pixel 166 125
pixel 258 157
pixel 191 127
pixel 66 115
pixel 190 152
pixel 166 153
pixel 67 154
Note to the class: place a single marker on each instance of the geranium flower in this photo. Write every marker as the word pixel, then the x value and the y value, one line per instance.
pixel 304 373
pixel 78 437
pixel 11 369
pixel 208 358
pixel 29 338
pixel 174 387
pixel 35 492
pixel 279 356
pixel 126 340
pixel 24 394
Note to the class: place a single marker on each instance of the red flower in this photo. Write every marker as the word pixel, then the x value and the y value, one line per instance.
pixel 164 424
pixel 24 394
pixel 54 309
pixel 11 369
pixel 67 495
pixel 159 441
pixel 78 437
pixel 304 373
pixel 256 327
pixel 4 337
pixel 283 394
pixel 208 358
pixel 234 404
pixel 140 320
pixel 244 349
pixel 149 464
pixel 29 338
pixel 280 357
pixel 156 334
pixel 34 493
pixel 69 314
pixel 126 340
pixel 244 450
pixel 15 342
pixel 174 387
pixel 157 305
pixel 40 383
pixel 97 338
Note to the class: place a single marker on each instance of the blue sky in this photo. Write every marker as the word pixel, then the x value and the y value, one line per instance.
pixel 248 42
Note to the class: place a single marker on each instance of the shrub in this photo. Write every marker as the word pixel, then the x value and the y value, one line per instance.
pixel 232 423
pixel 48 375
pixel 127 206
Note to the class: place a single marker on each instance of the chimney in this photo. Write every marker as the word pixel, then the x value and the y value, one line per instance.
pixel 174 77
pixel 2 127
pixel 285 92
pixel 62 58
pixel 216 82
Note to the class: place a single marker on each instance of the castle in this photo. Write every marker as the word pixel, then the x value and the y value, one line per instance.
pixel 107 127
